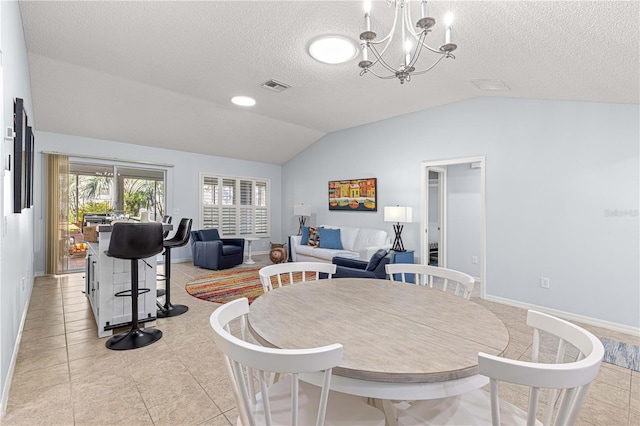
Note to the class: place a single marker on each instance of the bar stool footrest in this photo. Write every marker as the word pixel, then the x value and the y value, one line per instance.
pixel 127 293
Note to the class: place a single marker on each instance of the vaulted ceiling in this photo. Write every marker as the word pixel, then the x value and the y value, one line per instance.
pixel 162 73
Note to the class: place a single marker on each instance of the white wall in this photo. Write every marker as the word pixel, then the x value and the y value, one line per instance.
pixel 553 171
pixel 463 218
pixel 182 181
pixel 16 241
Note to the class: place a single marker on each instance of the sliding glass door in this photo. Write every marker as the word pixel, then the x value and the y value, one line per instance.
pixel 100 193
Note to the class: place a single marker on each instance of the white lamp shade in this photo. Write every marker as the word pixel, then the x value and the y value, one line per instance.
pixel 302 210
pixel 397 214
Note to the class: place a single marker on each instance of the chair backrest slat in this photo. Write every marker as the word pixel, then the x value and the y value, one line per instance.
pixel 427 275
pixel 242 358
pixel 294 272
pixel 569 380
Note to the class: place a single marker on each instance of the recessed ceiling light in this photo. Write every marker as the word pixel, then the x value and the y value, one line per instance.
pixel 243 101
pixel 333 49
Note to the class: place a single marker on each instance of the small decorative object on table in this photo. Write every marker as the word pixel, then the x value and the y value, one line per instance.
pixel 278 253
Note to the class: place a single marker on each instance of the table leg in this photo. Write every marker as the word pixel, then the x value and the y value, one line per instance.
pixel 249 260
pixel 389 411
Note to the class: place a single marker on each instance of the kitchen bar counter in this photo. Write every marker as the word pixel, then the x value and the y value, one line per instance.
pixel 105 276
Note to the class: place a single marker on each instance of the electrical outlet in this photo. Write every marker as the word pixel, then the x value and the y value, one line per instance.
pixel 544 282
pixel 474 260
pixel 176 211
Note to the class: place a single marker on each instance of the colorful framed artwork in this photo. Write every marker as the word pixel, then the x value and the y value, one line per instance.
pixel 353 195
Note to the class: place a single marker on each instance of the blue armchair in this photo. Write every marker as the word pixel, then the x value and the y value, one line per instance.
pixel 212 252
pixel 355 268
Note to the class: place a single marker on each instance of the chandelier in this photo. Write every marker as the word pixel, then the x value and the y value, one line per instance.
pixel 412 40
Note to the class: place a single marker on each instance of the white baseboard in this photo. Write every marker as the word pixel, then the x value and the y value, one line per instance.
pixel 6 387
pixel 622 328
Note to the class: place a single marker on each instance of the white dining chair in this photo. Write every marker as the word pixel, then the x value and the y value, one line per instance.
pixel 433 276
pixel 289 401
pixel 564 382
pixel 292 272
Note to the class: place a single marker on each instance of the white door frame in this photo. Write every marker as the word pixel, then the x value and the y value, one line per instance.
pixel 424 203
pixel 442 215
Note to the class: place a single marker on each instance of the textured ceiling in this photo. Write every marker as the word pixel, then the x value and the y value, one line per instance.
pixel 162 73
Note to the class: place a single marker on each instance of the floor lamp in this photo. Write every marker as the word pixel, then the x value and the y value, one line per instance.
pixel 304 211
pixel 397 214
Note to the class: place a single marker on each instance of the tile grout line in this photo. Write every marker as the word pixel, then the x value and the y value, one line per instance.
pixel 66 345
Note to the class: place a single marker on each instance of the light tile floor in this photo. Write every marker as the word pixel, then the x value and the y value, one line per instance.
pixel 64 374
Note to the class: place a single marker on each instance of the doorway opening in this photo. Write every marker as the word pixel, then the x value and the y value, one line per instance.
pixel 453 216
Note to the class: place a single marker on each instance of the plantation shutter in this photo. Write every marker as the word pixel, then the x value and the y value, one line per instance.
pixel 261 210
pixel 210 209
pixel 237 207
pixel 246 210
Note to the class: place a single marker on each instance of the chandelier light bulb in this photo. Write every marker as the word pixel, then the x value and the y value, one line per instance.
pixel 407 46
pixel 448 19
pixel 407 52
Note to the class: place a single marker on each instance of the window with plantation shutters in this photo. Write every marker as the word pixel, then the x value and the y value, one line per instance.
pixel 236 206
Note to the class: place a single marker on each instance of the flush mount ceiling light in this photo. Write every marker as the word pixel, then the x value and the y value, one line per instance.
pixel 411 42
pixel 333 49
pixel 245 101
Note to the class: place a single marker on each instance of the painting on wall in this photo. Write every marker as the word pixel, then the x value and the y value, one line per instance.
pixel 353 195
pixel 19 156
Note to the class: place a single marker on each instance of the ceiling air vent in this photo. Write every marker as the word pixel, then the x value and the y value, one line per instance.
pixel 275 85
pixel 491 84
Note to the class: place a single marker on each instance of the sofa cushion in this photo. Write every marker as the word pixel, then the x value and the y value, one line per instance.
pixel 304 237
pixel 227 250
pixel 314 237
pixel 369 237
pixel 348 237
pixel 305 250
pixel 328 254
pixel 330 238
pixel 375 260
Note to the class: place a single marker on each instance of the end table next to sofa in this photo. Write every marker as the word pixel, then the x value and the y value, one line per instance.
pixel 249 240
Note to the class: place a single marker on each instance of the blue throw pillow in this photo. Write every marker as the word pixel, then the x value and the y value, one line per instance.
pixel 305 236
pixel 330 238
pixel 375 260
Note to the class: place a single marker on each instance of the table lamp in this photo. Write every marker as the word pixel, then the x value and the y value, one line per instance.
pixel 397 214
pixel 304 211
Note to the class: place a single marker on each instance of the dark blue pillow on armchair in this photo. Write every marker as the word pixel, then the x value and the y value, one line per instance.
pixel 375 260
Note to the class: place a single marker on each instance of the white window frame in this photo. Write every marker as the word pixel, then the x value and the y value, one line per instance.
pixel 219 210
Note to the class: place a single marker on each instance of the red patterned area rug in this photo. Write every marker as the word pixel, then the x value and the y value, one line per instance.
pixel 227 285
pixel 230 284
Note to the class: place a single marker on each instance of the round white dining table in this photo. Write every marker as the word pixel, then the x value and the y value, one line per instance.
pixel 401 341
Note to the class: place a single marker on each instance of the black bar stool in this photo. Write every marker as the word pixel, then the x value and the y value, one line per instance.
pixel 179 239
pixel 134 241
pixel 166 219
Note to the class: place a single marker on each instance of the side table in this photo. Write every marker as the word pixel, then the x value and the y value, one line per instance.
pixel 404 257
pixel 249 240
